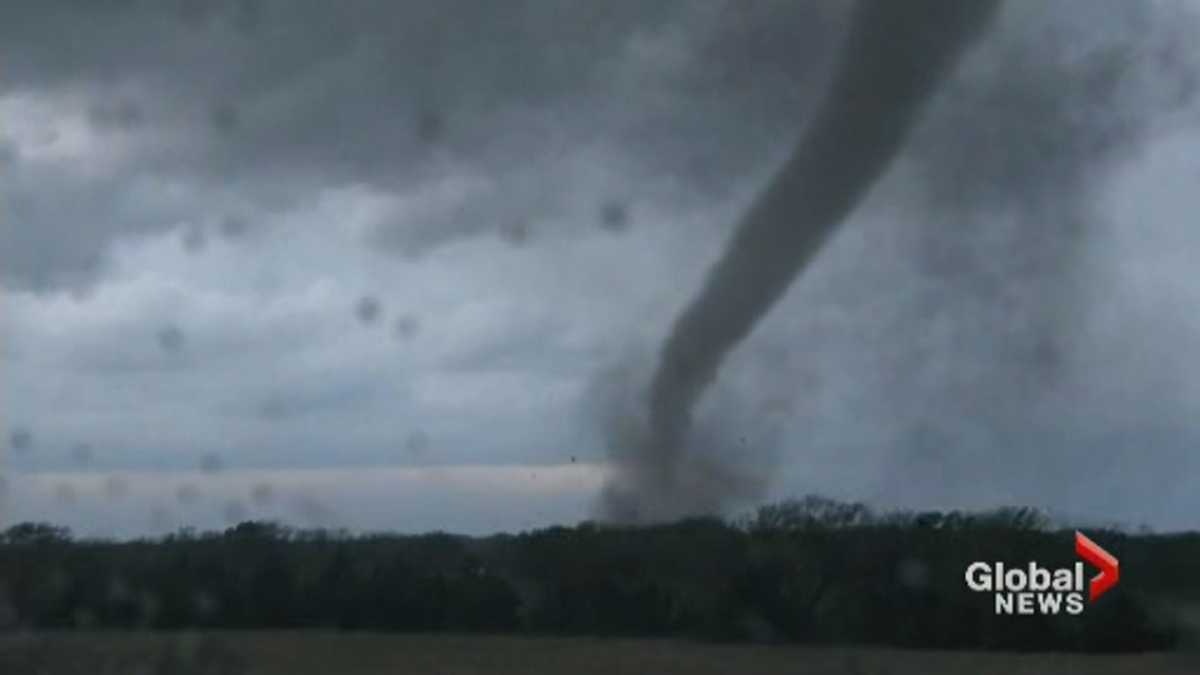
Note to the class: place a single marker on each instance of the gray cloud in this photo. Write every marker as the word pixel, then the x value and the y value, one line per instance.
pixel 391 95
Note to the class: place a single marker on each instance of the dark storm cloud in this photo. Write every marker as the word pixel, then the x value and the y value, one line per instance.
pixel 57 226
pixel 396 94
pixel 377 93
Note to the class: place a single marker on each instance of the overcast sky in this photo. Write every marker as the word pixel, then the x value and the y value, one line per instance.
pixel 385 265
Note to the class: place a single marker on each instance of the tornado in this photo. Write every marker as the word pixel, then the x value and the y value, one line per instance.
pixel 894 57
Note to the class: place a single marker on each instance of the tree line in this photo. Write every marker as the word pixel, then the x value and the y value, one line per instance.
pixel 812 571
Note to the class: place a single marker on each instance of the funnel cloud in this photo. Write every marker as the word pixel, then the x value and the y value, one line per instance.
pixel 893 60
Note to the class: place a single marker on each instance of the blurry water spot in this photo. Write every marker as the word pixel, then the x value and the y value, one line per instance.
pixel 90 266
pixel 82 454
pixel 211 463
pixel 411 251
pixel 313 512
pixel 233 227
pixel 59 580
pixel 148 607
pixel 762 631
pixel 1047 356
pixel 119 591
pixel 233 512
pixel 249 16
pixel 273 409
pixel 116 487
pixel 66 494
pixel 119 115
pixel 202 654
pixel 194 13
pixel 21 439
pixel 206 604
pixel 194 239
pixel 430 126
pixel 262 494
pixel 516 233
pixel 46 136
pixel 83 618
pixel 170 338
pixel 225 118
pixel 913 573
pixel 8 613
pixel 614 216
pixel 187 494
pixel 417 443
pixel 368 309
pixel 406 327
pixel 779 405
pixel 160 517
pixel 8 153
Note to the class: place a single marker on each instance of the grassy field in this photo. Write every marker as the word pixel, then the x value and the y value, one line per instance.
pixel 335 654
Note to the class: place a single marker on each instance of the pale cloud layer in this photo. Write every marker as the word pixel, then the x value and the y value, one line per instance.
pixel 336 249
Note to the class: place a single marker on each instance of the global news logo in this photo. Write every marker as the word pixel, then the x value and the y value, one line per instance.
pixel 1034 589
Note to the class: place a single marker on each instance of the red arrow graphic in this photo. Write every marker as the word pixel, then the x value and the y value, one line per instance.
pixel 1109 567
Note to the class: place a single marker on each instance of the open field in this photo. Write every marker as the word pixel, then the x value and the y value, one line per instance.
pixel 312 653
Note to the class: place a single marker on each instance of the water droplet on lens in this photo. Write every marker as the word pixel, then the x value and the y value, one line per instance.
pixel 368 309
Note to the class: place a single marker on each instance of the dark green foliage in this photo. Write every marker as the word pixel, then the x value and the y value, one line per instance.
pixel 809 571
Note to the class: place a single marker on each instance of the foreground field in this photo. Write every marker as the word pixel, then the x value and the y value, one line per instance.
pixel 336 654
